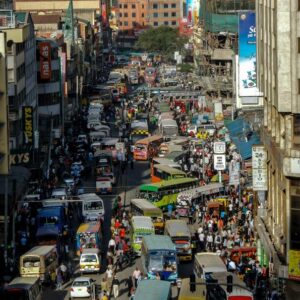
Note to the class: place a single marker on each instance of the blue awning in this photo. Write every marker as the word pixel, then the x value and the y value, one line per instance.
pixel 243 137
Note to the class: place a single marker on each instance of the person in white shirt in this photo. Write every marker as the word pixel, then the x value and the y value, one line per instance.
pixel 210 240
pixel 112 245
pixel 136 275
pixel 201 241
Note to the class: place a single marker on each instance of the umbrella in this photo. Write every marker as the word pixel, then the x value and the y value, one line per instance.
pixel 215 178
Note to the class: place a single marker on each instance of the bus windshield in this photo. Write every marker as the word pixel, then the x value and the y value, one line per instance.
pixel 48 220
pixel 93 205
pixel 31 261
pixel 88 240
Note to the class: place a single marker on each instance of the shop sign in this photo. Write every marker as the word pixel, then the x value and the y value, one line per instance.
pixel 259 168
pixel 294 265
pixel 234 173
pixel 219 162
pixel 28 124
pixel 20 158
pixel 45 60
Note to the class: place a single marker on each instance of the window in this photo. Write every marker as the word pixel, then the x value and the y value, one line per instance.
pixel 155 15
pixel 166 14
pixel 143 15
pixel 134 24
pixel 133 15
pixel 155 6
pixel 166 23
pixel 120 15
pixel 125 23
pixel 174 23
pixel 20 71
pixel 133 6
pixel 155 23
pixel 126 15
pixel 173 14
pixel 120 5
pixel 166 5
pixel 120 23
pixel 173 5
pixel 142 5
pixel 125 6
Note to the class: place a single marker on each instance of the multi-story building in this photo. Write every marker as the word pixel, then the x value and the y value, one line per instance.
pixel 49 85
pixel 21 77
pixel 278 48
pixel 165 12
pixel 132 14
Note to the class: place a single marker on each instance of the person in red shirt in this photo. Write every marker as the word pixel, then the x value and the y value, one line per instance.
pixel 117 224
pixel 122 233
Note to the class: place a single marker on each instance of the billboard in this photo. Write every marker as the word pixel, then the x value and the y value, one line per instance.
pixel 28 124
pixel 192 10
pixel 45 60
pixel 247 55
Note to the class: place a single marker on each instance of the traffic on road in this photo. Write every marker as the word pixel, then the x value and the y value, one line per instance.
pixel 146 197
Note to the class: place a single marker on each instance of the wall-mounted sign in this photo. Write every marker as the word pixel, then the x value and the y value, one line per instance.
pixel 259 168
pixel 28 124
pixel 19 159
pixel 45 60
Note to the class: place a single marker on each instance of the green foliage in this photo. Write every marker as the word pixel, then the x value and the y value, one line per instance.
pixel 186 68
pixel 164 40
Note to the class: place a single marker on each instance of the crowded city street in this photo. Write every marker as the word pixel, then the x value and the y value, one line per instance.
pixel 145 186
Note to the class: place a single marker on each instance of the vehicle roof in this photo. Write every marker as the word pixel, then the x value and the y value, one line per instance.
pixel 210 262
pixel 169 169
pixel 158 242
pixel 82 278
pixel 166 122
pixel 185 292
pixel 144 204
pixel 149 139
pixel 205 190
pixel 177 228
pixel 142 222
pixel 171 182
pixel 175 154
pixel 152 289
pixel 50 211
pixel 40 250
pixel 90 251
pixel 89 227
pixel 90 197
pixel 22 282
pixel 165 161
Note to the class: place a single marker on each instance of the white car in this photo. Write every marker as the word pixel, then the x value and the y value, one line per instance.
pixel 80 287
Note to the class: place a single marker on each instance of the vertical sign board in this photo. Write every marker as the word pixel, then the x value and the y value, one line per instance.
pixel 259 168
pixel 28 124
pixel 45 60
pixel 234 173
pixel 294 265
pixel 247 55
pixel 219 162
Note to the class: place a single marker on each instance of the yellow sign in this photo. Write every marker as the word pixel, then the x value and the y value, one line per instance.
pixel 294 264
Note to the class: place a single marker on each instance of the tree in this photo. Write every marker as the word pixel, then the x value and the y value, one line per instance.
pixel 186 68
pixel 164 40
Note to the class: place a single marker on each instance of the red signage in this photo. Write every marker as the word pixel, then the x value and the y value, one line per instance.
pixel 104 15
pixel 45 60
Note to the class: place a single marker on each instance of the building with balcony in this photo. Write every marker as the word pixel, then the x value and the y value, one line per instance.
pixel 278 75
pixel 21 68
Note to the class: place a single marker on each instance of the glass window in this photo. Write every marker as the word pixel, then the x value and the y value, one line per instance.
pixel 166 5
pixel 125 23
pixel 125 15
pixel 120 23
pixel 155 23
pixel 173 14
pixel 125 5
pixel 133 6
pixel 166 14
pixel 120 5
pixel 166 23
pixel 155 15
pixel 155 6
pixel 120 15
pixel 133 15
pixel 143 15
pixel 174 23
pixel 173 5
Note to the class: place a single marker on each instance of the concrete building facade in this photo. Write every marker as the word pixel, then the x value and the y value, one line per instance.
pixel 20 67
pixel 278 74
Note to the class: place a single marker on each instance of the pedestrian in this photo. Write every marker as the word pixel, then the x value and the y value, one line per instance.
pixel 135 275
pixel 115 286
pixel 109 277
pixel 104 285
pixel 112 245
pixel 129 284
pixel 178 284
pixel 59 279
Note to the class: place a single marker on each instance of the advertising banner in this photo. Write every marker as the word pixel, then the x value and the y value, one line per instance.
pixel 247 55
pixel 192 10
pixel 234 173
pixel 294 264
pixel 28 124
pixel 259 168
pixel 45 60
